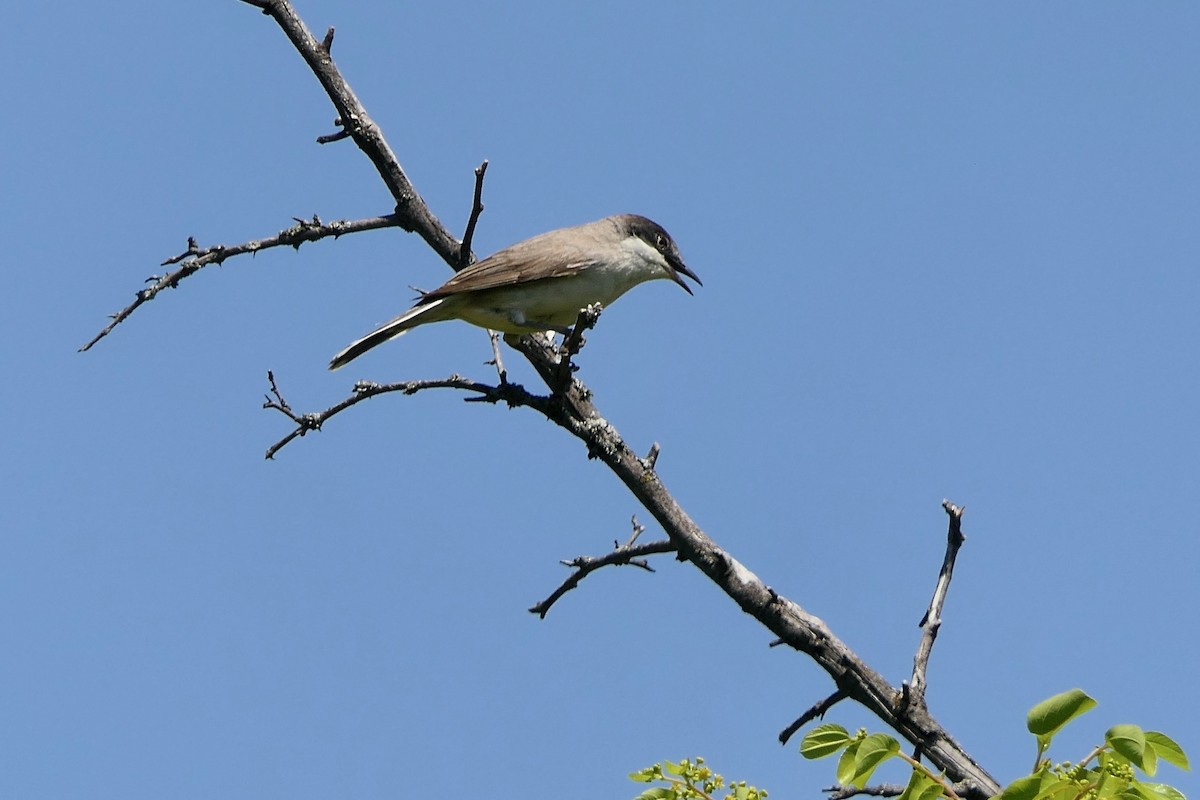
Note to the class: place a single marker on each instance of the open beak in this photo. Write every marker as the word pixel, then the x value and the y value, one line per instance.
pixel 679 268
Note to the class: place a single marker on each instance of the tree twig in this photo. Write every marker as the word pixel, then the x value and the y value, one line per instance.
pixel 497 359
pixel 573 342
pixel 512 394
pixel 637 529
pixel 626 555
pixel 815 712
pixel 414 214
pixel 465 256
pixel 794 626
pixel 196 258
pixel 839 792
pixel 932 620
pixel 652 457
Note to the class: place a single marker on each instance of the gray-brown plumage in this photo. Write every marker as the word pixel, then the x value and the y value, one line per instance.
pixel 543 282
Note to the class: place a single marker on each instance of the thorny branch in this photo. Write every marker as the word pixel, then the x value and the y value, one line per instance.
pixel 511 393
pixel 412 210
pixel 196 258
pixel 570 406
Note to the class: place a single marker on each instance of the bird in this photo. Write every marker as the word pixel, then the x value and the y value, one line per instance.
pixel 542 283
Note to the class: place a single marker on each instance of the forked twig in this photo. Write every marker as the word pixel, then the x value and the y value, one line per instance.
pixel 586 565
pixel 512 394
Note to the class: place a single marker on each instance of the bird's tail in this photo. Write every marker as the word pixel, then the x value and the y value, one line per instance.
pixel 397 327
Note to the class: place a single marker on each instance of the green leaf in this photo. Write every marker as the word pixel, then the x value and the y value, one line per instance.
pixel 672 768
pixel 1136 790
pixel 913 790
pixel 1058 789
pixel 824 740
pixel 1167 749
pixel 1130 742
pixel 920 787
pixel 1149 759
pixel 657 793
pixel 931 792
pixel 1026 788
pixel 1116 789
pixel 1047 717
pixel 872 751
pixel 1156 791
pixel 846 764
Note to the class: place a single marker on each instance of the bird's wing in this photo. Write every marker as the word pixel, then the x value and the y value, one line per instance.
pixel 517 264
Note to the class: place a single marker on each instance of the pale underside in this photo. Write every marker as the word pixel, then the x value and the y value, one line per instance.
pixel 547 304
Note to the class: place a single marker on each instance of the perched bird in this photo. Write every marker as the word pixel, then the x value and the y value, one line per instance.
pixel 542 283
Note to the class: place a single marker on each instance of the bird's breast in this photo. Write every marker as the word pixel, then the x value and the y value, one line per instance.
pixel 543 304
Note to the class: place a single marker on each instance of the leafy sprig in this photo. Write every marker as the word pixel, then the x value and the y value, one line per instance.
pixel 1108 772
pixel 691 780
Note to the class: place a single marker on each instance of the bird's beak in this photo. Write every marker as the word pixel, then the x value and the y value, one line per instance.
pixel 679 268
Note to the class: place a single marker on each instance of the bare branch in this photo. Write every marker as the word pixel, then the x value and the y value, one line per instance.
pixel 278 403
pixel 411 212
pixel 652 457
pixel 570 406
pixel 330 138
pixel 196 258
pixel 793 625
pixel 816 712
pixel 628 555
pixel 573 342
pixel 465 256
pixel 839 792
pixel 637 530
pixel 511 393
pixel 932 621
pixel 411 209
pixel 497 360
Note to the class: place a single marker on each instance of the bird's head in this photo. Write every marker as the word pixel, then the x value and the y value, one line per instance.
pixel 657 238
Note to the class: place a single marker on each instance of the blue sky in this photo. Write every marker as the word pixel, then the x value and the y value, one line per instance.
pixel 948 251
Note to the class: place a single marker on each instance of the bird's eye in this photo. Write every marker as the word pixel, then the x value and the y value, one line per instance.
pixel 660 242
